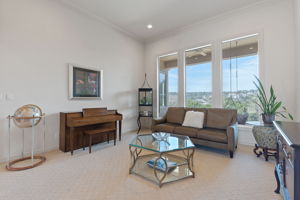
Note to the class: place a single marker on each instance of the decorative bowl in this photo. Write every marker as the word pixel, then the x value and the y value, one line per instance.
pixel 160 136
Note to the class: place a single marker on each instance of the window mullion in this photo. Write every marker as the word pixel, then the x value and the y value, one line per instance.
pixel 181 74
pixel 217 74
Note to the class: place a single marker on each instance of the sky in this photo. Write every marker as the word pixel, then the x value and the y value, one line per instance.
pixel 199 76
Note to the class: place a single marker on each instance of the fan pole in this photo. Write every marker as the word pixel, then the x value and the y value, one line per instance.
pixel 32 145
pixel 23 138
pixel 9 138
pixel 236 72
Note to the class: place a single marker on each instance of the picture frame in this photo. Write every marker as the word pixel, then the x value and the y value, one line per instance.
pixel 85 83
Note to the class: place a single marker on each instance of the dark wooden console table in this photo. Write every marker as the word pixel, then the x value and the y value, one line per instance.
pixel 287 169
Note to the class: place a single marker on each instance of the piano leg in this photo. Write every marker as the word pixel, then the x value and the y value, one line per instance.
pixel 71 139
pixel 83 143
pixel 90 143
pixel 115 137
pixel 120 129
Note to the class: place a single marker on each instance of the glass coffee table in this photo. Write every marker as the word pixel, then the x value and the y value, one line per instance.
pixel 162 157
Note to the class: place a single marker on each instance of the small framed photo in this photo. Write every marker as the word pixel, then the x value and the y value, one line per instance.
pixel 85 83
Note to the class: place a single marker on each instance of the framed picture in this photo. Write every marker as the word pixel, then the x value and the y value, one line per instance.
pixel 85 83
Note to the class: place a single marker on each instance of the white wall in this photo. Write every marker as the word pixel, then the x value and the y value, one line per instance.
pixel 297 27
pixel 246 136
pixel 39 37
pixel 273 19
pixel 37 40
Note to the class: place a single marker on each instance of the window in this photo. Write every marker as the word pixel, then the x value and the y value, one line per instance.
pixel 239 66
pixel 168 82
pixel 198 77
pixel 196 80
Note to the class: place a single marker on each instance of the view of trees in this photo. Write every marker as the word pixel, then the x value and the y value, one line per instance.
pixel 199 99
pixel 242 101
pixel 239 67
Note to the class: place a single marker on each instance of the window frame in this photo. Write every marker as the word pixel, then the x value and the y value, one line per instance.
pixel 259 54
pixel 158 78
pixel 185 66
pixel 217 69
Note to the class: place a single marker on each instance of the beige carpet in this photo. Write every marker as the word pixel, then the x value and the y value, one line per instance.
pixel 104 175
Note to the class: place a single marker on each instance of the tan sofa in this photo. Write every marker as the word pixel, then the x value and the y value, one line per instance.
pixel 219 128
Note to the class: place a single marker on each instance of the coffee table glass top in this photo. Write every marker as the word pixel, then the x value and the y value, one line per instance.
pixel 162 142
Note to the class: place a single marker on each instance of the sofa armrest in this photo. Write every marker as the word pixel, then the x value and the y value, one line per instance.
pixel 158 121
pixel 232 135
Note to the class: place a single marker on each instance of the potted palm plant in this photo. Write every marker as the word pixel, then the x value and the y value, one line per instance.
pixel 269 105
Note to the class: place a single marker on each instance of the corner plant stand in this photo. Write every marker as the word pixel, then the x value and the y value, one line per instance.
pixel 265 136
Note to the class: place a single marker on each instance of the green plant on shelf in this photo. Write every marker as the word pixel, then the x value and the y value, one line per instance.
pixel 146 101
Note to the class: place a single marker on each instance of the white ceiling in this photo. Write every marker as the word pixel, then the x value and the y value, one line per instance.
pixel 133 16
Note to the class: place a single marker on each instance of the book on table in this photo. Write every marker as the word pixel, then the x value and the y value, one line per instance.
pixel 161 165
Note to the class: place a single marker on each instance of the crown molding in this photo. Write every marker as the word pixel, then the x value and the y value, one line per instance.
pixel 172 32
pixel 89 13
pixel 191 26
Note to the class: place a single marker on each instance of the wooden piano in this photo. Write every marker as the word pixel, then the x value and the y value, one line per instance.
pixel 73 125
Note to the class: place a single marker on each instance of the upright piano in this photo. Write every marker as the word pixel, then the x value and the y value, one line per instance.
pixel 73 125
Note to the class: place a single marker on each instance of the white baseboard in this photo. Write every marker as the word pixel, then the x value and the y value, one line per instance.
pixel 17 155
pixel 245 138
pixel 27 153
pixel 245 135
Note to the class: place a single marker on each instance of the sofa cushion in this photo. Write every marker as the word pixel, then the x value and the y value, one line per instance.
pixel 175 115
pixel 188 131
pixel 210 134
pixel 166 127
pixel 193 119
pixel 220 118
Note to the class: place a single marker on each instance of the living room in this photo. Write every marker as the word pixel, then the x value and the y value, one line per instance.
pixel 199 57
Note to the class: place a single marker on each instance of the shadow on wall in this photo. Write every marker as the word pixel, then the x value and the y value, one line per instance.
pixel 126 99
pixel 146 123
pixel 16 137
pixel 128 102
pixel 127 105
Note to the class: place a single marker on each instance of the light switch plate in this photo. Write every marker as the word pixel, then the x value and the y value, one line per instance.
pixel 10 97
pixel 2 96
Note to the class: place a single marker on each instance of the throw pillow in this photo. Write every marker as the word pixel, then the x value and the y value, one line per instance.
pixel 193 119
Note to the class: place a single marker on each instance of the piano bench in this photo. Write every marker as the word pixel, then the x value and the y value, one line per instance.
pixel 92 132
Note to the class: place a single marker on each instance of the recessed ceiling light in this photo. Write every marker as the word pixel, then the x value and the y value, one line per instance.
pixel 149 26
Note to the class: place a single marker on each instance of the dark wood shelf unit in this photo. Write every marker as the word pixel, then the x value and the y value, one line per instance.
pixel 146 116
pixel 141 105
pixel 145 99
